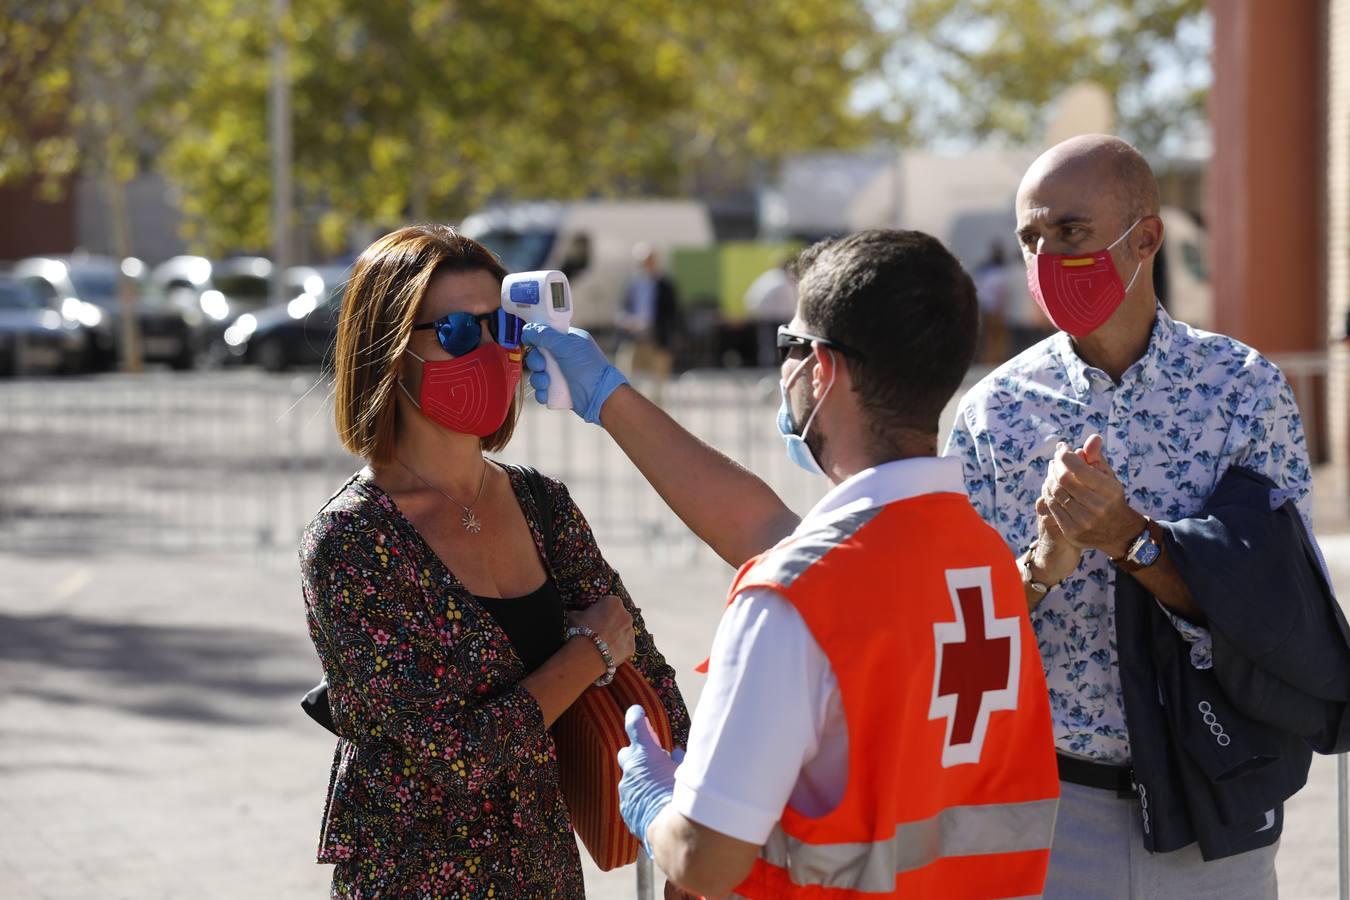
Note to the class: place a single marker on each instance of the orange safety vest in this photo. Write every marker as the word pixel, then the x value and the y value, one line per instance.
pixel 952 785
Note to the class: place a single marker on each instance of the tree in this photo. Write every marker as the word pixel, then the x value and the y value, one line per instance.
pixel 424 109
pixel 82 85
pixel 974 69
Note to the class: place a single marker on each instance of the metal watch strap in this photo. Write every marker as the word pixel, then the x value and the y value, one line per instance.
pixel 610 665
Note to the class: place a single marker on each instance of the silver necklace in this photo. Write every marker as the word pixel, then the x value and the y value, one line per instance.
pixel 471 522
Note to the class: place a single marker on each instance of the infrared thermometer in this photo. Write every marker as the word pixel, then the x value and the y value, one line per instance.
pixel 546 298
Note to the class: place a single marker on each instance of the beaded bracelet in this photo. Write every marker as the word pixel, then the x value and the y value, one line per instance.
pixel 610 665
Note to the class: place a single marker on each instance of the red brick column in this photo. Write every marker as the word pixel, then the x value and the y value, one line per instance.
pixel 1265 222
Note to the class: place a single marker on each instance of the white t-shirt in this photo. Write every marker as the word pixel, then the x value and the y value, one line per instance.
pixel 769 729
pixel 771 297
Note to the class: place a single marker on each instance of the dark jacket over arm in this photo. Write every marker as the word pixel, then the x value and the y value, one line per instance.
pixel 1217 751
pixel 1280 638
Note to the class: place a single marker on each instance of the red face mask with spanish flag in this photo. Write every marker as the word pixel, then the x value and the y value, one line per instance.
pixel 1079 293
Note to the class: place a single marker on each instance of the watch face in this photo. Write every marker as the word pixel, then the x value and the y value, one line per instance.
pixel 1147 554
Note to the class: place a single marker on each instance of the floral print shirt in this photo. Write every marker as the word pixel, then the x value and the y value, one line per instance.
pixel 444 780
pixel 1195 404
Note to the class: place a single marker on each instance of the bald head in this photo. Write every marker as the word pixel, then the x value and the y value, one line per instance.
pixel 1102 164
pixel 1089 194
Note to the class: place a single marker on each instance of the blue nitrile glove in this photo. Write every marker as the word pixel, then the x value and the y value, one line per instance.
pixel 648 780
pixel 590 376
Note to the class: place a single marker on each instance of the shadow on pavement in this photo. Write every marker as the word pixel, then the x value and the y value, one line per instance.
pixel 212 675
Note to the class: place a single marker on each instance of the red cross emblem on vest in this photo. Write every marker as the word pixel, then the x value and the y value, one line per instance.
pixel 977 667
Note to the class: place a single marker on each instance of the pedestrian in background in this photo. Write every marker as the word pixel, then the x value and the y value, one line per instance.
pixel 649 318
pixel 441 619
pixel 993 288
pixel 770 301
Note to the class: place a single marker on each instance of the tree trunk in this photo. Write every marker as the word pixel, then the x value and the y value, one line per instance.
pixel 132 359
pixel 419 183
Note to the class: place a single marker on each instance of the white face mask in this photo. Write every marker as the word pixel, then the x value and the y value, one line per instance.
pixel 795 444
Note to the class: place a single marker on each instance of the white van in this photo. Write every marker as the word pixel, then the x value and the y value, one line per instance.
pixel 592 242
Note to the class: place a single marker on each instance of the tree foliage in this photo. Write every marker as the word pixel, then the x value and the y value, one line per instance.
pixel 975 69
pixel 421 109
pixel 83 86
pixel 426 109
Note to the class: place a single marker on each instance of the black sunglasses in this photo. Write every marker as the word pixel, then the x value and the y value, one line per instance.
pixel 460 332
pixel 790 341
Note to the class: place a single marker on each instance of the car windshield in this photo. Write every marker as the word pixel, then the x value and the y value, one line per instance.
pixel 246 290
pixel 95 285
pixel 520 251
pixel 13 295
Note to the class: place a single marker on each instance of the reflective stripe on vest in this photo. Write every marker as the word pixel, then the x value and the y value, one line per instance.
pixel 872 867
pixel 787 560
pixel 790 559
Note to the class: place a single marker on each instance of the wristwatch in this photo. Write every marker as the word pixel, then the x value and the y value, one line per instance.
pixel 1145 549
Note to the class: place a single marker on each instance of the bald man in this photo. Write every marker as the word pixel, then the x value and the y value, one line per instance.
pixel 1074 450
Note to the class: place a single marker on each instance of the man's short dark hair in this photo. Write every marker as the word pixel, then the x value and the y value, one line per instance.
pixel 903 302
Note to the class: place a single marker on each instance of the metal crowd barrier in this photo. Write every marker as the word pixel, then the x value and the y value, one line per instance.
pixel 240 461
pixel 1342 826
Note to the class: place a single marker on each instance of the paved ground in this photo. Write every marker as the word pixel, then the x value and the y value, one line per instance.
pixel 150 741
pixel 151 746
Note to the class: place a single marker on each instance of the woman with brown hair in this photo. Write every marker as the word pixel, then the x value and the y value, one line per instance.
pixel 441 619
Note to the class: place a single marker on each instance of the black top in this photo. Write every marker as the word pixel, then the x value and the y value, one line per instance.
pixel 533 623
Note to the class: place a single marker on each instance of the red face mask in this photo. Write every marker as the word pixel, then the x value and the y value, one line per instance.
pixel 1079 293
pixel 470 394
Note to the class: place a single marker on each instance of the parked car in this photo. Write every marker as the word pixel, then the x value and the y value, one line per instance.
pixel 211 294
pixel 85 289
pixel 33 338
pixel 301 333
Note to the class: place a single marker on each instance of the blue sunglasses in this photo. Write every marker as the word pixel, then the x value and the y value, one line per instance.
pixel 460 332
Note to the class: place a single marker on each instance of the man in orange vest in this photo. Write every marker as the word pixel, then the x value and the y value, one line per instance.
pixel 875 720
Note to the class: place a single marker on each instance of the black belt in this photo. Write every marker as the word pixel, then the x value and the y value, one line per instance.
pixel 1096 775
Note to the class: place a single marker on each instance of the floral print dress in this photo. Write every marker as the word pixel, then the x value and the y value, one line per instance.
pixel 444 780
